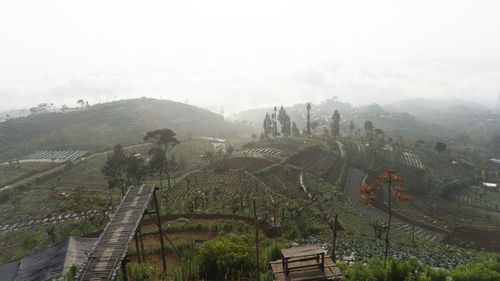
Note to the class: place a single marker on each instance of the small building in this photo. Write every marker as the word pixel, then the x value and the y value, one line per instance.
pixel 494 160
pixel 466 164
pixel 50 263
pixel 490 184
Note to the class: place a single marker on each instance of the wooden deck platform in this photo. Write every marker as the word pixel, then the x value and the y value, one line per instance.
pixel 331 272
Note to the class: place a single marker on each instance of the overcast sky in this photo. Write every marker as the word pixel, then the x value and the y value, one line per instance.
pixel 240 54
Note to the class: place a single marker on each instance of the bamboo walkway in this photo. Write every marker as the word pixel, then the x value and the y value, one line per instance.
pixel 110 249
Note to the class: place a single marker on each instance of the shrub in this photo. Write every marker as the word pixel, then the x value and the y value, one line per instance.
pixel 377 267
pixel 274 252
pixel 219 258
pixel 483 270
pixel 227 226
pixel 70 276
pixel 142 272
pixel 359 272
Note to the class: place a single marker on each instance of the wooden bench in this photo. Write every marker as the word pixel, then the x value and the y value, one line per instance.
pixel 303 258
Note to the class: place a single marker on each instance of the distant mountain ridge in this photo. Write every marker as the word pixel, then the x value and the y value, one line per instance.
pixel 419 106
pixel 296 111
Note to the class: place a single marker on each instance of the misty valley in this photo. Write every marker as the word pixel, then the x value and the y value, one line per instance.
pixel 148 189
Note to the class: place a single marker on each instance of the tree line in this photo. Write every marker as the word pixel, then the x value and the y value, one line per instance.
pixel 289 127
pixel 122 170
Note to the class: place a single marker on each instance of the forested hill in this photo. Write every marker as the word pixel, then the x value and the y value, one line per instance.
pixel 96 127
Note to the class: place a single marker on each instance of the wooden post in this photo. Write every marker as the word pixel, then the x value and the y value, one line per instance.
pixel 161 231
pixel 412 233
pixel 137 249
pixel 142 245
pixel 334 241
pixel 257 270
pixel 124 269
pixel 323 262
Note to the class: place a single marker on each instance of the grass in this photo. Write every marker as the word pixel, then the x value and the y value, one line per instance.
pixel 35 201
pixel 10 173
pixel 37 237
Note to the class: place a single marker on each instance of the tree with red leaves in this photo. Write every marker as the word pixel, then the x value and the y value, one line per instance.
pixel 390 180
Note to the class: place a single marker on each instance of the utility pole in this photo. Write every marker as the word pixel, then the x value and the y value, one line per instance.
pixel 257 270
pixel 161 231
pixel 498 103
pixel 334 241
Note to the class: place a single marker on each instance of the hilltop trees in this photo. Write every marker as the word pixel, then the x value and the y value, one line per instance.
pixel 268 127
pixel 295 130
pixel 351 127
pixel 114 170
pixel 308 125
pixel 369 129
pixel 270 124
pixel 275 123
pixel 284 120
pixel 121 170
pixel 41 108
pixel 335 125
pixel 158 163
pixel 163 140
pixel 136 170
pixel 367 196
pixel 440 147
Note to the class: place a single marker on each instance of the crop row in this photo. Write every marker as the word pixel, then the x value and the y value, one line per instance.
pixel 45 220
pixel 411 159
pixel 445 257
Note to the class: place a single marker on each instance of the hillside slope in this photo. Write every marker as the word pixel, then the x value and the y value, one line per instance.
pixel 106 124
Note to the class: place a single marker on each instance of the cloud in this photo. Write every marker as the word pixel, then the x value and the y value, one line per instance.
pixel 359 83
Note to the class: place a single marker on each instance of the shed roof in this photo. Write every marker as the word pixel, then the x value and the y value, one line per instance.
pixel 54 262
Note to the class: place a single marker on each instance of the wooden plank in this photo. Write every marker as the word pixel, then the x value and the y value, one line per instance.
pixel 331 272
pixel 302 251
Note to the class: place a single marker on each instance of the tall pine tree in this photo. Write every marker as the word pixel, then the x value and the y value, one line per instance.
pixel 335 126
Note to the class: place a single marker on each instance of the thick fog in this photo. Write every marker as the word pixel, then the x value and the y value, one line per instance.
pixel 236 55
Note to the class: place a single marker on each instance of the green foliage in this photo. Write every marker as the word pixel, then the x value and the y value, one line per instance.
pixel 398 270
pixel 100 125
pixel 483 270
pixel 487 269
pixel 359 272
pixel 219 258
pixel 267 276
pixel 267 126
pixel 267 170
pixel 435 275
pixel 142 272
pixel 335 127
pixel 114 170
pixel 70 276
pixel 273 252
pixel 189 269
pixel 376 269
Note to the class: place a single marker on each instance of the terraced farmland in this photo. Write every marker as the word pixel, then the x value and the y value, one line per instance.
pixel 53 156
pixel 412 159
pixel 481 239
pixel 321 163
pixel 224 192
pixel 47 220
pixel 355 178
pixel 262 152
pixel 249 164
pixel 284 180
